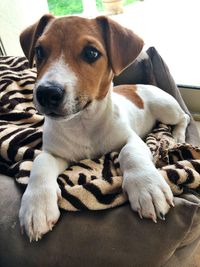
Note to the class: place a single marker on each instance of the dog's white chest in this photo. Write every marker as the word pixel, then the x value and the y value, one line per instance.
pixel 65 142
pixel 74 142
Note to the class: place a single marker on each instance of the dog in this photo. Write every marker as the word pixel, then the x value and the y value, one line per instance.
pixel 85 117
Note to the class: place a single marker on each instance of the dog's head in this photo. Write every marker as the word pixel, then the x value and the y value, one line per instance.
pixel 76 59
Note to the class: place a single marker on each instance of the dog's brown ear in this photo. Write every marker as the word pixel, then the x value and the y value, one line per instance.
pixel 123 46
pixel 29 36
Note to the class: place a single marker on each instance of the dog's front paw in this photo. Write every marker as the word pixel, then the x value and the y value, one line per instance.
pixel 148 194
pixel 39 210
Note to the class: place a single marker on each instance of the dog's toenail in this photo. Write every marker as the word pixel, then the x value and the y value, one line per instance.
pixel 162 216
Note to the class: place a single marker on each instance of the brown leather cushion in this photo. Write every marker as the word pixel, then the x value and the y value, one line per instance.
pixel 114 237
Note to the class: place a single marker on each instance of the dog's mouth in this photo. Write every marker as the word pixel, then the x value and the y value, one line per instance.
pixel 66 115
pixel 87 104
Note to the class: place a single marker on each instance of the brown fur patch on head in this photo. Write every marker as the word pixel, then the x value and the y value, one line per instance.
pixel 62 41
pixel 130 92
pixel 67 37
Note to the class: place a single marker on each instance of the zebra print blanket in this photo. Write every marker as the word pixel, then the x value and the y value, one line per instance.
pixel 89 184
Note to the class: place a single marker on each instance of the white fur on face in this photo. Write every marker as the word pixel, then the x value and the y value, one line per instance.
pixel 59 72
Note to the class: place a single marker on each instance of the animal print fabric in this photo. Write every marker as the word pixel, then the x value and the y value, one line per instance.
pixel 89 184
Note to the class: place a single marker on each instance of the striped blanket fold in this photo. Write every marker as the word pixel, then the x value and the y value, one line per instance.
pixel 88 184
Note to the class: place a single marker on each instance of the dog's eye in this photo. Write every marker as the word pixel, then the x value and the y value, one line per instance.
pixel 39 53
pixel 90 54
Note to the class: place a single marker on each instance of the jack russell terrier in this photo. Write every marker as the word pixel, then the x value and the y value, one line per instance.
pixel 85 117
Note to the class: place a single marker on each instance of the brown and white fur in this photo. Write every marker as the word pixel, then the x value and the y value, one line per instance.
pixel 87 117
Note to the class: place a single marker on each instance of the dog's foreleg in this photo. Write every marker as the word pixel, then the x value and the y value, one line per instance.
pixel 39 209
pixel 148 192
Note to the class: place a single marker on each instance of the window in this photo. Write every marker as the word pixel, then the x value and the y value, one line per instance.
pixel 172 26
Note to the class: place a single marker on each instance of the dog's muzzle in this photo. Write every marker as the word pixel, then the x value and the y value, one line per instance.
pixel 49 96
pixel 52 100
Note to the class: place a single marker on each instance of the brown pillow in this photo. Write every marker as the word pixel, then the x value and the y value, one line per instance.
pixel 116 237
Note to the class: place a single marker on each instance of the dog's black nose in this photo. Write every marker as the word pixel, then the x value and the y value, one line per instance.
pixel 49 96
